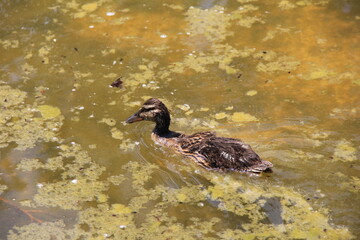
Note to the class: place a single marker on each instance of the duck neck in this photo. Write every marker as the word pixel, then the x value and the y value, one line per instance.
pixel 162 126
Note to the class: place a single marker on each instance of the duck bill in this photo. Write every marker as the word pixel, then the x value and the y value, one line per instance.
pixel 134 118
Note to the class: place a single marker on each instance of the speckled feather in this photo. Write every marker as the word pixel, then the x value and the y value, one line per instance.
pixel 222 153
pixel 204 148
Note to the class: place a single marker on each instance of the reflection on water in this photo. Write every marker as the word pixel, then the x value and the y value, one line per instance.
pixel 281 75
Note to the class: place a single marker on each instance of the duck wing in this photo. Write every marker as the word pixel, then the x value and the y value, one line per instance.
pixel 214 152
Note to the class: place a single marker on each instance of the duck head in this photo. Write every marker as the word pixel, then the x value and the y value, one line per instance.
pixel 152 110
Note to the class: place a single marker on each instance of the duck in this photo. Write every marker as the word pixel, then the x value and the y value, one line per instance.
pixel 204 148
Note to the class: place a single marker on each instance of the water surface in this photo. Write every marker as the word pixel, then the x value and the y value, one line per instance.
pixel 281 75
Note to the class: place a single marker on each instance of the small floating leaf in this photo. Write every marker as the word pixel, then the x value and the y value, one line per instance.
pixel 243 117
pixel 48 111
pixel 251 93
pixel 90 7
pixel 220 115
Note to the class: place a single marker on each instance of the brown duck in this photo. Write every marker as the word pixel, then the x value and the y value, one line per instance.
pixel 205 148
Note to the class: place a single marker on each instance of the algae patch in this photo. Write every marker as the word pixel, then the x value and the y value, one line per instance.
pixel 290 215
pixel 29 164
pixel 79 181
pixel 295 218
pixel 347 183
pixel 345 151
pixel 211 23
pixel 19 122
pixel 2 188
pixel 220 115
pixel 49 112
pixel 222 55
pixel 187 194
pixel 241 117
pixel 280 64
pixel 214 23
pixel 44 231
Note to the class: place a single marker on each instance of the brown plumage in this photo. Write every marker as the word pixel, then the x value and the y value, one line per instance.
pixel 205 148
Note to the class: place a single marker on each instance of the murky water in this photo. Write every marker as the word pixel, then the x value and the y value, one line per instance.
pixel 281 75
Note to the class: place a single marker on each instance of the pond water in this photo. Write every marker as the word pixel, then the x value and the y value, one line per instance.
pixel 283 75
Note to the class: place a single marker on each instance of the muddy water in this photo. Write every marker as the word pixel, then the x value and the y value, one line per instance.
pixel 281 75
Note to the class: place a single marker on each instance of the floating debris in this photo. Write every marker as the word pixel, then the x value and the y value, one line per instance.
pixel 117 83
pixel 251 93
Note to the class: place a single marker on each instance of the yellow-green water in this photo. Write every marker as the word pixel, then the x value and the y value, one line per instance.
pixel 281 75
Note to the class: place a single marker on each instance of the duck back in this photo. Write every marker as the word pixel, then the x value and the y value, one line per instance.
pixel 222 153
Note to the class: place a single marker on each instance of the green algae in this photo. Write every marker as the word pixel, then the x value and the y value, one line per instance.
pixel 77 10
pixel 2 188
pixel 302 155
pixel 119 21
pixel 241 117
pixel 290 4
pixel 69 194
pixel 286 5
pixel 140 174
pixel 184 107
pixel 28 68
pixel 356 81
pixel 353 185
pixel 29 164
pixel 115 220
pixel 204 22
pixel 196 123
pixel 90 7
pixel 49 112
pixel 220 54
pixel 105 220
pixel 44 231
pixel 158 50
pixel 348 183
pixel 174 6
pixel 220 115
pixel 54 163
pixel 243 19
pixel 297 219
pixel 280 64
pixel 6 44
pixel 116 180
pixel 186 194
pixel 146 74
pixel 127 145
pixel 345 151
pixel 235 117
pixel 312 2
pixel 19 122
pixel 118 208
pixel 319 73
pixel 271 34
pixel 79 179
pixel 212 23
pixel 157 225
pixel 116 133
pixel 11 97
